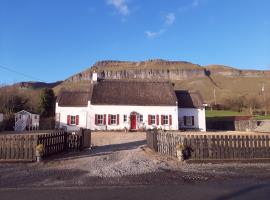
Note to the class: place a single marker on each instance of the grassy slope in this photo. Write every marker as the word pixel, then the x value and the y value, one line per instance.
pixel 227 87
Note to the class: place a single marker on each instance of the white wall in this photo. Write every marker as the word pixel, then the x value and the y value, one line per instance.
pixel 87 116
pixel 199 117
pixel 127 110
pixel 1 117
pixel 65 111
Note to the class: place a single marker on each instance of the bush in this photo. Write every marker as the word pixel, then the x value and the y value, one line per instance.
pixel 8 123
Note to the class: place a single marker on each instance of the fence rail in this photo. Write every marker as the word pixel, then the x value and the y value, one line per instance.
pixel 14 147
pixel 214 147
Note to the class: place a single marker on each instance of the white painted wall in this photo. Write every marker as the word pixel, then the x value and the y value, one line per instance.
pixel 87 116
pixel 199 117
pixel 65 111
pixel 127 110
pixel 1 117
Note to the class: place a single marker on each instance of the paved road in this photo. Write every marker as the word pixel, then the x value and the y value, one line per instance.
pixel 225 190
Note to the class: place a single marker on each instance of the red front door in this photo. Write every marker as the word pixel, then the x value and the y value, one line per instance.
pixel 133 121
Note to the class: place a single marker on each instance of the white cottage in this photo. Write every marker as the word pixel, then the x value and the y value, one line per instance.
pixel 122 105
pixel 25 120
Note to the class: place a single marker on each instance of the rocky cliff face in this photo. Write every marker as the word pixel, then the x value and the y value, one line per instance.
pixel 160 69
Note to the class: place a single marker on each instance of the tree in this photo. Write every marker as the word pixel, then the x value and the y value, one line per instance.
pixel 253 104
pixel 47 103
pixel 235 103
pixel 12 101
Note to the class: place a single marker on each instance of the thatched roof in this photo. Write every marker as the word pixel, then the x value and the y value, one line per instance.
pixel 187 99
pixel 74 98
pixel 127 92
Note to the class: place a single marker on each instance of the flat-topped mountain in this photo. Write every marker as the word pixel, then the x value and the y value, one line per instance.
pixel 160 69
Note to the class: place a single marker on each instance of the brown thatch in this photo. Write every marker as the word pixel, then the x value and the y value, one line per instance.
pixel 124 92
pixel 188 99
pixel 74 98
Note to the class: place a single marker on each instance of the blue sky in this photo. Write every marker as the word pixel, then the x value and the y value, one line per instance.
pixel 50 40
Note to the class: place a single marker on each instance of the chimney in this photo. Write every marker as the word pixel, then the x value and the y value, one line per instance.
pixel 94 77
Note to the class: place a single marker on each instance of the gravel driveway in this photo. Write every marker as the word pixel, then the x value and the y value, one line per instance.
pixel 119 158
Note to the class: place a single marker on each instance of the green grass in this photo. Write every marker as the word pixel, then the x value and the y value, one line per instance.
pixel 262 117
pixel 223 113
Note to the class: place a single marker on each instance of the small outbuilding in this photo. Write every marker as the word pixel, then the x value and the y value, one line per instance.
pixel 25 120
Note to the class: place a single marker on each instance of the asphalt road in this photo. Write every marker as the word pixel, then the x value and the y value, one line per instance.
pixel 224 190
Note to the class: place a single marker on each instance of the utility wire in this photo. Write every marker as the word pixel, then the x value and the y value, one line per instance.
pixel 20 73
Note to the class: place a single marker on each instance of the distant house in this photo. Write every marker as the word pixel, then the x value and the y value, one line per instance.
pixel 191 110
pixel 124 105
pixel 25 120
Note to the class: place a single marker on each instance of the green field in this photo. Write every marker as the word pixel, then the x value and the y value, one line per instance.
pixel 224 113
pixel 262 117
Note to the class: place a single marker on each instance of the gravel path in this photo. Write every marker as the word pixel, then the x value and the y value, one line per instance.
pixel 121 159
pixel 117 155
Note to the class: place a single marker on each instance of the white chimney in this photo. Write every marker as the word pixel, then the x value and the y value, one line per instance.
pixel 94 77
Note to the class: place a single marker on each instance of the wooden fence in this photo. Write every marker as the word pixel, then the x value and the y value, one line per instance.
pixel 55 142
pixel 18 147
pixel 214 147
pixel 15 147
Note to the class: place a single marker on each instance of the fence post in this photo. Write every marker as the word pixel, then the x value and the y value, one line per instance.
pixel 65 141
pixel 81 137
pixel 155 133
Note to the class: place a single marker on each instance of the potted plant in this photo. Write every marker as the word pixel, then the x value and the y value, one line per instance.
pixel 180 152
pixel 39 152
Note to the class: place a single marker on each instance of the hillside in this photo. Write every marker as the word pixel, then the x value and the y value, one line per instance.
pixel 226 81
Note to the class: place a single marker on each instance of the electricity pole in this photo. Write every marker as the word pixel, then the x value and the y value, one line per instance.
pixel 264 99
pixel 215 99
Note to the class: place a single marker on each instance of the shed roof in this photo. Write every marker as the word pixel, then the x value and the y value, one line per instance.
pixel 187 99
pixel 24 112
pixel 132 92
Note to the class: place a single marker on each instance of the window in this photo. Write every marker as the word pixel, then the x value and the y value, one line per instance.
pixel 35 116
pixel 125 118
pixel 165 119
pixel 72 120
pixel 141 118
pixel 113 119
pixel 152 119
pixel 189 120
pixel 99 119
